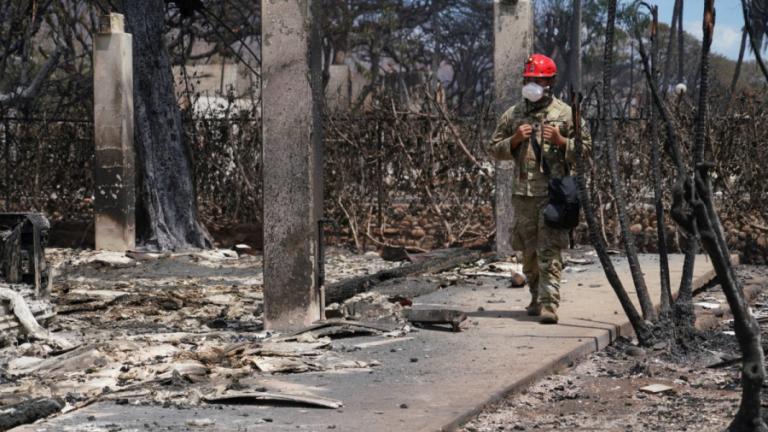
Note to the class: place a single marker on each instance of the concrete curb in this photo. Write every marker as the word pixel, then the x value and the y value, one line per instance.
pixel 564 361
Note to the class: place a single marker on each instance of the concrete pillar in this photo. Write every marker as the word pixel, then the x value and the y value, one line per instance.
pixel 114 176
pixel 291 93
pixel 513 43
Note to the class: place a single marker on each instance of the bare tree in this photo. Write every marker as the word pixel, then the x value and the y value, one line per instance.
pixel 22 22
pixel 670 44
pixel 702 219
pixel 680 44
pixel 693 210
pixel 574 51
pixel 737 70
pixel 756 24
pixel 618 189
pixel 661 232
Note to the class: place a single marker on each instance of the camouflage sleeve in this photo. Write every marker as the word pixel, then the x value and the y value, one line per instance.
pixel 500 142
pixel 586 142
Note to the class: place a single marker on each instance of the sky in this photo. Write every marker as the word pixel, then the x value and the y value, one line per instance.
pixel 728 23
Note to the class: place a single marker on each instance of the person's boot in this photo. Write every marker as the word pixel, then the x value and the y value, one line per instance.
pixel 533 309
pixel 517 280
pixel 548 314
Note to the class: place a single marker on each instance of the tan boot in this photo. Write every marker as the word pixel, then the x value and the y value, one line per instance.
pixel 548 314
pixel 533 309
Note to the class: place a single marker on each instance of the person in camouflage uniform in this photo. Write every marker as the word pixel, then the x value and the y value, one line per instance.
pixel 545 122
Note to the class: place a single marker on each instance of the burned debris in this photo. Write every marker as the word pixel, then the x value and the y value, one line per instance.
pixel 214 280
pixel 25 278
pixel 23 238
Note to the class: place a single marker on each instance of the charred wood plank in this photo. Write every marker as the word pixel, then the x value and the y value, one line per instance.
pixel 436 261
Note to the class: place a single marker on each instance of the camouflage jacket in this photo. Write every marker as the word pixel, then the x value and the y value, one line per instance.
pixel 530 179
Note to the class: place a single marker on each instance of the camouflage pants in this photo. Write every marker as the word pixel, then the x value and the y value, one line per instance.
pixel 541 247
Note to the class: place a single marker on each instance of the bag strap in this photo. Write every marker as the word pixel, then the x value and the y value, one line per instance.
pixel 540 159
pixel 537 150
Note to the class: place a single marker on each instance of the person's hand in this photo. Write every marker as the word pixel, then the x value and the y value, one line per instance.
pixel 552 134
pixel 522 133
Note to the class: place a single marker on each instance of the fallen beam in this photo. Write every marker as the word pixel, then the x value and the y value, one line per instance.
pixel 432 262
pixel 28 412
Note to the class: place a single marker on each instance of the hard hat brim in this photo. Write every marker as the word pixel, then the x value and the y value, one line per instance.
pixel 537 75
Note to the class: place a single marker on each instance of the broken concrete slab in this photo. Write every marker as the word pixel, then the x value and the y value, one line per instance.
pixel 110 259
pixel 656 388
pixel 371 307
pixel 437 316
pixel 292 349
pixel 280 364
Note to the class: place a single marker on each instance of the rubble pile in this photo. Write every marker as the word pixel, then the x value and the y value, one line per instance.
pixel 179 329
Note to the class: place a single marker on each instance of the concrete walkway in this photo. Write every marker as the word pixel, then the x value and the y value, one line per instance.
pixel 431 382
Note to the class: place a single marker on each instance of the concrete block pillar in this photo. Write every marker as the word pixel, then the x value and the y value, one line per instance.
pixel 513 43
pixel 114 176
pixel 291 93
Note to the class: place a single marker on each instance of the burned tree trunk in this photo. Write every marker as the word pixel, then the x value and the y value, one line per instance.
pixel 737 70
pixel 166 215
pixel 694 211
pixel 618 189
pixel 643 332
pixel 661 232
pixel 680 45
pixel 748 418
pixel 684 318
pixel 746 7
pixel 670 46
pixel 574 55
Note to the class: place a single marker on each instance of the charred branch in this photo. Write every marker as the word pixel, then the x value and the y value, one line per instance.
pixel 616 185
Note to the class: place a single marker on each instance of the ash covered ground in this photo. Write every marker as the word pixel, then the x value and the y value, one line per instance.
pixel 698 392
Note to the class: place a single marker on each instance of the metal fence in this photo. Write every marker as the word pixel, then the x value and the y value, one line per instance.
pixel 417 179
pixel 47 165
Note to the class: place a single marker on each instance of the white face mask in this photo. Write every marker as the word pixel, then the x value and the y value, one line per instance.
pixel 533 92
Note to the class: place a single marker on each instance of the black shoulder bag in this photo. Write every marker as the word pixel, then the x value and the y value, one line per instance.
pixel 562 210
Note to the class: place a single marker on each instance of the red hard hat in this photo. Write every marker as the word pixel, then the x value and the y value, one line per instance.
pixel 539 66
